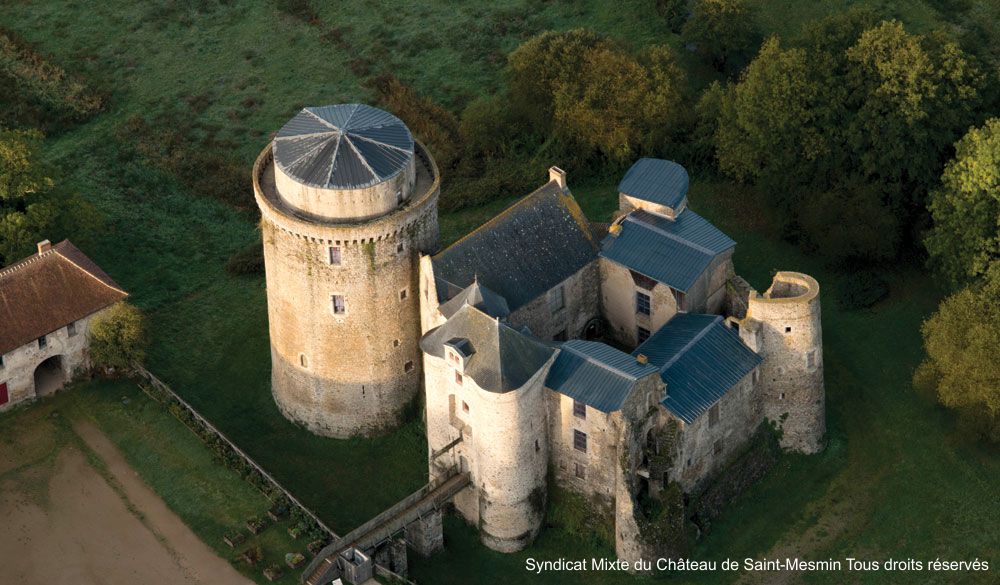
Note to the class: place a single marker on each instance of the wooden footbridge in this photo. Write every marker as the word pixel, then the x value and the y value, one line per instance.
pixel 427 500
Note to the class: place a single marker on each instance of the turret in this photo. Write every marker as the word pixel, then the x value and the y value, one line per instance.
pixel 783 326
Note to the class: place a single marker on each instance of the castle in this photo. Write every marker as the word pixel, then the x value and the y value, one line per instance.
pixel 613 360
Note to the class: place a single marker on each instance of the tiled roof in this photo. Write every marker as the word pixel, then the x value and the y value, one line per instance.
pixel 46 291
pixel 596 374
pixel 652 179
pixel 700 359
pixel 502 359
pixel 529 248
pixel 674 252
pixel 345 146
pixel 479 297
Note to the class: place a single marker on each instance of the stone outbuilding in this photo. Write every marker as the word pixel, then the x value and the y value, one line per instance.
pixel 47 304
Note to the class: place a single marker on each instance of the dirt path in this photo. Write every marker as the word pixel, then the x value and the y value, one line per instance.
pixel 63 522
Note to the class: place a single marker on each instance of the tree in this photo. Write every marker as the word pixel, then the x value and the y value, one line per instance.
pixel 965 240
pixel 118 338
pixel 961 340
pixel 723 32
pixel 32 208
pixel 674 13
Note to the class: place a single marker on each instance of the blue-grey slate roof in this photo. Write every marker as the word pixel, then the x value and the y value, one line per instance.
pixel 700 359
pixel 675 252
pixel 527 249
pixel 596 374
pixel 656 180
pixel 479 297
pixel 345 146
pixel 499 358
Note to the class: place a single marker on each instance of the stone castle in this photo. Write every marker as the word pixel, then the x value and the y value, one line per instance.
pixel 613 360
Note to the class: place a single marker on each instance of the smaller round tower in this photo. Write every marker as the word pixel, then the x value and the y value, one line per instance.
pixel 783 326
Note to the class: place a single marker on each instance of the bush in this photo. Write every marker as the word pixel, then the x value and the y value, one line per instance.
pixel 118 338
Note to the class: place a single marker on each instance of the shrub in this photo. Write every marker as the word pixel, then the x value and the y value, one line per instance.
pixel 118 338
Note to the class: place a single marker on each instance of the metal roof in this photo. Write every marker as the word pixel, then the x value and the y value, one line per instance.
pixel 596 374
pixel 499 359
pixel 347 146
pixel 675 252
pixel 527 249
pixel 479 297
pixel 660 181
pixel 700 359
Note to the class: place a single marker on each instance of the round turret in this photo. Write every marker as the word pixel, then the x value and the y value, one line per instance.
pixel 784 326
pixel 348 202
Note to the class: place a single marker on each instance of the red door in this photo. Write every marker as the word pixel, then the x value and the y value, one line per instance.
pixel 3 394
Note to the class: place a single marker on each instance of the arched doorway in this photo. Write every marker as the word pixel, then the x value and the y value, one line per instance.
pixel 49 376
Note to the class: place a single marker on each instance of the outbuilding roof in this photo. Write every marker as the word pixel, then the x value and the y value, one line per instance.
pixel 50 290
pixel 479 297
pixel 345 146
pixel 700 359
pixel 499 358
pixel 656 180
pixel 675 252
pixel 527 249
pixel 596 374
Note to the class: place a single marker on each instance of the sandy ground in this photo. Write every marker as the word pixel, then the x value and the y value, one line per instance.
pixel 62 522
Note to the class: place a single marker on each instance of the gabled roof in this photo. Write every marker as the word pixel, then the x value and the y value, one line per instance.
pixel 479 297
pixel 501 359
pixel 656 180
pixel 46 291
pixel 700 359
pixel 675 252
pixel 527 249
pixel 345 146
pixel 596 374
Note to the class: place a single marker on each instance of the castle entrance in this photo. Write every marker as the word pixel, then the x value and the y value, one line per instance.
pixel 49 376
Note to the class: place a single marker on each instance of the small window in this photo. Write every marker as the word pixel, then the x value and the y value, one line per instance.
pixel 579 409
pixel 339 307
pixel 561 336
pixel 680 298
pixel 333 255
pixel 579 440
pixel 537 446
pixel 557 300
pixel 642 334
pixel 408 367
pixel 303 360
pixel 713 415
pixel 465 406
pixel 458 378
pixel 811 359
pixel 581 471
pixel 1 361
pixel 717 447
pixel 756 375
pixel 399 248
pixel 403 294
pixel 43 342
pixel 399 196
pixel 689 462
pixel 395 343
pixel 781 396
pixel 71 329
pixel 788 329
pixel 642 303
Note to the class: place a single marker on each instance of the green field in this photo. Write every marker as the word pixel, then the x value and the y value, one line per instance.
pixel 897 479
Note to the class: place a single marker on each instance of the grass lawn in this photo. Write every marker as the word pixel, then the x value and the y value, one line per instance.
pixel 896 479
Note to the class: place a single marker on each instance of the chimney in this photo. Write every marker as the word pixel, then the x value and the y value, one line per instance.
pixel 615 229
pixel 642 359
pixel 44 246
pixel 558 175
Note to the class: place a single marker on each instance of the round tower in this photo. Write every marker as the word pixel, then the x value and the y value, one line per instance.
pixel 784 325
pixel 348 201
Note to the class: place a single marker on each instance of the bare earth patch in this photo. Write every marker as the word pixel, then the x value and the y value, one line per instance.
pixel 65 522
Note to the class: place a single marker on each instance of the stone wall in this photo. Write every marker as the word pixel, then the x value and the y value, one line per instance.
pixel 618 306
pixel 19 365
pixel 581 304
pixel 784 327
pixel 353 373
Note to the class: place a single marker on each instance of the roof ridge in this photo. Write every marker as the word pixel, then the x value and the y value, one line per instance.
pixel 599 363
pixel 58 249
pixel 667 234
pixel 691 343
